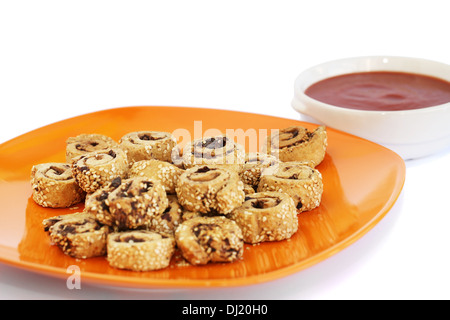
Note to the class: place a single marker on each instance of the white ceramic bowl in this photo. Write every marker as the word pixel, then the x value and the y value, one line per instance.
pixel 411 133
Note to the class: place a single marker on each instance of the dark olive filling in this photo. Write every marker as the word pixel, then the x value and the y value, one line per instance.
pixel 148 137
pixel 129 238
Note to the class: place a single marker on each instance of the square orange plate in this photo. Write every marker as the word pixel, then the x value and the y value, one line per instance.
pixel 362 181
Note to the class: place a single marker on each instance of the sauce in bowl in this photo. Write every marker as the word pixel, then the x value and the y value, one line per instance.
pixel 381 91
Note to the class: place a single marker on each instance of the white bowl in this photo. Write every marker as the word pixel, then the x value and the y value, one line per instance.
pixel 410 133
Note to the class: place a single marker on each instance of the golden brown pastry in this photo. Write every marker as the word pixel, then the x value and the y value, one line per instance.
pixel 218 150
pixel 210 239
pixel 87 142
pixel 146 145
pixel 49 222
pixel 266 216
pixel 210 188
pixel 166 222
pixel 163 171
pixel 139 250
pixel 303 183
pixel 297 143
pixel 128 204
pixel 96 169
pixel 53 186
pixel 79 236
pixel 248 189
pixel 255 163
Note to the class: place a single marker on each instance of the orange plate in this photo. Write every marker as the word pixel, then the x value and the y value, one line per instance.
pixel 362 181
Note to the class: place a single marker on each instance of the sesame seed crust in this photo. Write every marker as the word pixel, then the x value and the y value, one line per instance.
pixel 96 169
pixel 79 236
pixel 163 171
pixel 303 183
pixel 210 239
pixel 297 143
pixel 167 221
pixel 217 150
pixel 53 186
pixel 266 216
pixel 210 188
pixel 130 205
pixel 49 222
pixel 139 250
pixel 87 142
pixel 255 163
pixel 146 145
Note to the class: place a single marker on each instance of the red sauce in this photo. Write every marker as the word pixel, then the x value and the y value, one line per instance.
pixel 382 91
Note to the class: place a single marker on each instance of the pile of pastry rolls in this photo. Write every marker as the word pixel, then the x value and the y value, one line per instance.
pixel 142 204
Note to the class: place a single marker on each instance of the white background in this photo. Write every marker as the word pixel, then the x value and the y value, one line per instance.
pixel 60 59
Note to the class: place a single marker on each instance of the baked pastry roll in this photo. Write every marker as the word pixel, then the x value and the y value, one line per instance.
pixel 79 236
pixel 266 216
pixel 297 143
pixel 209 239
pixel 303 183
pixel 166 222
pixel 53 186
pixel 139 250
pixel 218 150
pixel 146 145
pixel 95 169
pixel 49 222
pixel 254 164
pixel 85 143
pixel 127 204
pixel 163 171
pixel 209 188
